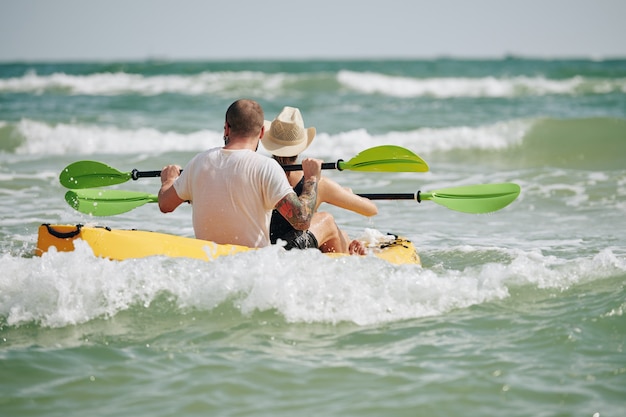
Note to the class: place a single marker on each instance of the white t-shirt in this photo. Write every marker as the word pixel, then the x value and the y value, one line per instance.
pixel 233 193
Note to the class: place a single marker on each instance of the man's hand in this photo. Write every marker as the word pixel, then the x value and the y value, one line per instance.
pixel 312 168
pixel 169 174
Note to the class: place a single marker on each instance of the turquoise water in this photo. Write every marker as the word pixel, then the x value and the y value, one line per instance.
pixel 518 312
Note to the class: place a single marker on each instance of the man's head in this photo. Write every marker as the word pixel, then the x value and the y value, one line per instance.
pixel 244 118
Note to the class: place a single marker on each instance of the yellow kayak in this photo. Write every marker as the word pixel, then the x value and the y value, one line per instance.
pixel 118 244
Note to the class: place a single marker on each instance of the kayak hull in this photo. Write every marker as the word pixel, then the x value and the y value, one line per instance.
pixel 118 244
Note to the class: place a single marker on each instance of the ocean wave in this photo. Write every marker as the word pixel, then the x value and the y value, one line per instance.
pixel 265 84
pixel 591 143
pixel 402 86
pixel 36 137
pixel 45 291
pixel 595 143
pixel 121 83
pixel 29 137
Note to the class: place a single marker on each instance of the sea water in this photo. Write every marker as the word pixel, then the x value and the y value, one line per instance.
pixel 519 312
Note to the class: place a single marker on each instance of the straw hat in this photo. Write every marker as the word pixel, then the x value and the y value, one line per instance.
pixel 286 135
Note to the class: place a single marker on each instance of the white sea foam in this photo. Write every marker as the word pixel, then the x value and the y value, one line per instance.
pixel 124 83
pixel 496 136
pixel 363 291
pixel 376 83
pixel 267 84
pixel 40 138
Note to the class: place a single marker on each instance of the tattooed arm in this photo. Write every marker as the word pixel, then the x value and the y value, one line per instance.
pixel 299 210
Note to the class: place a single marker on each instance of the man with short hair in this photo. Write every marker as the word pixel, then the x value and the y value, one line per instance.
pixel 233 189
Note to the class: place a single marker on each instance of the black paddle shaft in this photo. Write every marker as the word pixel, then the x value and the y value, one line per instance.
pixel 393 196
pixel 136 174
pixel 325 165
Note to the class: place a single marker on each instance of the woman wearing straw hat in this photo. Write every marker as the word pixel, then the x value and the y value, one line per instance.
pixel 286 137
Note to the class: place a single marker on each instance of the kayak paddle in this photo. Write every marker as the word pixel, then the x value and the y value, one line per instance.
pixel 483 198
pixel 386 158
pixel 100 202
pixel 475 199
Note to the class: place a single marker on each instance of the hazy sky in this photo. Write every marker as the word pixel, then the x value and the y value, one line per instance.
pixel 227 29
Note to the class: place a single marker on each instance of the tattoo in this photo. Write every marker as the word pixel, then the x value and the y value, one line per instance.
pixel 309 195
pixel 299 210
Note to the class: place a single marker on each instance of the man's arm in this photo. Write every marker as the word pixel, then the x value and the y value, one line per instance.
pixel 298 211
pixel 168 199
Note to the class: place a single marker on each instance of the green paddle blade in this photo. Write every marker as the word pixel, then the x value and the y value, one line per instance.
pixel 91 174
pixel 386 158
pixel 99 202
pixel 484 198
